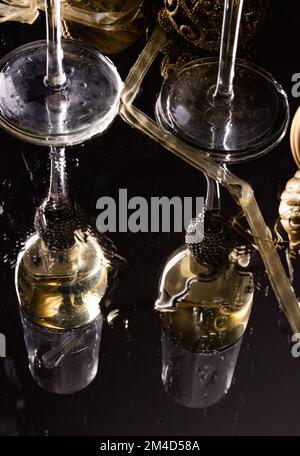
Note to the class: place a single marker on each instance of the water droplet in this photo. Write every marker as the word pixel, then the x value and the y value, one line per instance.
pixel 112 316
pixel 267 291
pixel 207 375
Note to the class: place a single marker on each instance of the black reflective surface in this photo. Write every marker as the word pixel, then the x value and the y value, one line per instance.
pixel 127 397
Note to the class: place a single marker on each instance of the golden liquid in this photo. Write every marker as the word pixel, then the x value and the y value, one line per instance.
pixel 61 290
pixel 213 314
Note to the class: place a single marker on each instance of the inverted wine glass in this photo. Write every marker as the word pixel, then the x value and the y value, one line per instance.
pixel 230 109
pixel 55 92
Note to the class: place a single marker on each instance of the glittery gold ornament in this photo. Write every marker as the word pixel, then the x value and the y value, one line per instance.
pixel 289 209
pixel 200 21
pixel 194 29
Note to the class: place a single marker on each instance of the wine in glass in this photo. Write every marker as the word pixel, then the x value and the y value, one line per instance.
pixel 62 279
pixel 205 300
pixel 57 93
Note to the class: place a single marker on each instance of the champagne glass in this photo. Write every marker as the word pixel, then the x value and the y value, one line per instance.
pixel 63 276
pixel 55 92
pixel 205 300
pixel 230 109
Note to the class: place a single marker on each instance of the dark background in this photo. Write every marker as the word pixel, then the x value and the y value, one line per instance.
pixel 127 397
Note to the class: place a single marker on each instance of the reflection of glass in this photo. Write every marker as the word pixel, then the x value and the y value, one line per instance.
pixel 62 289
pixel 43 81
pixel 194 379
pixel 205 300
pixel 55 93
pixel 62 278
pixel 63 362
pixel 239 189
pixel 202 308
pixel 233 111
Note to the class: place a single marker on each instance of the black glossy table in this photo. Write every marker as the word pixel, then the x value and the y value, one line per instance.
pixel 127 396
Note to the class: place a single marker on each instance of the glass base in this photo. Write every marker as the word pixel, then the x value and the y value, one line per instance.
pixel 39 114
pixel 248 126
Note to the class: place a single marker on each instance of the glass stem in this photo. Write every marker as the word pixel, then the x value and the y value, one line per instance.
pixel 213 199
pixel 58 191
pixel 229 41
pixel 55 75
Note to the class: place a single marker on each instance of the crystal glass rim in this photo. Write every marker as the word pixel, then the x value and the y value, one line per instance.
pixel 63 139
pixel 238 156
